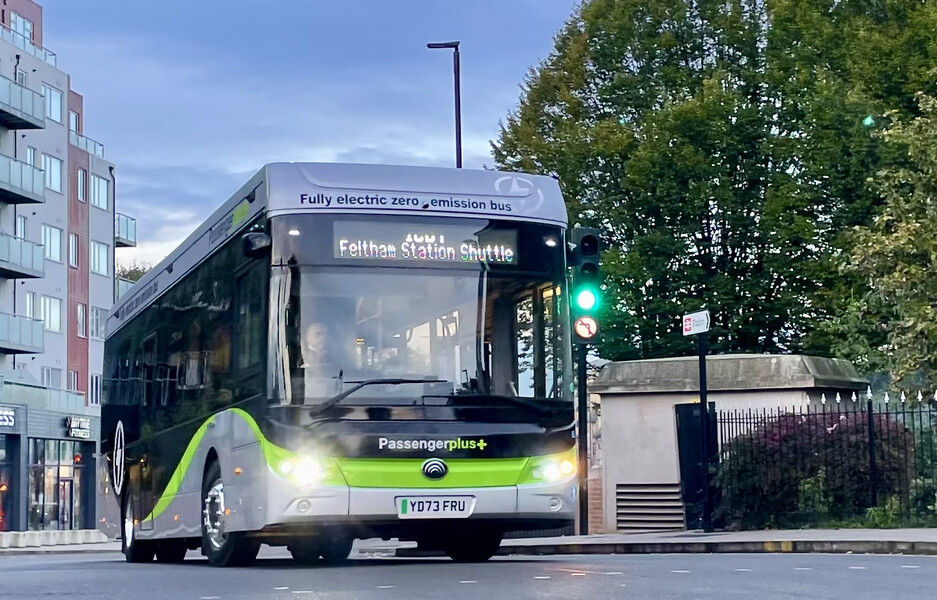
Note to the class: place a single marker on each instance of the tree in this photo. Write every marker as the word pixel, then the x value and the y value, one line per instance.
pixel 133 271
pixel 720 147
pixel 894 324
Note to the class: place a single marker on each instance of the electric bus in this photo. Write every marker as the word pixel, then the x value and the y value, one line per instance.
pixel 347 351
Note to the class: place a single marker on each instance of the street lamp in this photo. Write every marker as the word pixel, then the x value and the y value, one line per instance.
pixel 458 94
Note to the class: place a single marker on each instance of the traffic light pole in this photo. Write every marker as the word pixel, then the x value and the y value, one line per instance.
pixel 583 439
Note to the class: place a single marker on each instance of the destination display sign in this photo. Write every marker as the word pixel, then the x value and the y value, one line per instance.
pixel 423 243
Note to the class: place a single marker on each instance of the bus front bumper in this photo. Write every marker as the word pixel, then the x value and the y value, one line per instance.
pixel 292 504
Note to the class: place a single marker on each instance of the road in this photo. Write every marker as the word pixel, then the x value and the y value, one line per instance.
pixel 689 576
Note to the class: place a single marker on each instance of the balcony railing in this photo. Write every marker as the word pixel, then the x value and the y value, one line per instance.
pixel 21 183
pixel 46 398
pixel 86 144
pixel 123 286
pixel 125 231
pixel 25 44
pixel 20 259
pixel 20 335
pixel 21 107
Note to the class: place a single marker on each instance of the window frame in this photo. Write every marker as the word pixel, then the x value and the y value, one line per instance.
pixel 45 311
pixel 96 200
pixel 82 185
pixel 54 184
pixel 48 246
pixel 46 88
pixel 82 316
pixel 95 248
pixel 73 246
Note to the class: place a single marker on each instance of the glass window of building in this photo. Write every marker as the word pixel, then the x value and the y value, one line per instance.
pixel 57 474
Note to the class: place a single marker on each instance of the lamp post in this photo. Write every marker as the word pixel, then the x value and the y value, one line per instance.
pixel 458 96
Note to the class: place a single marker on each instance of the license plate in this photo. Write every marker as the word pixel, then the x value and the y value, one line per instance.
pixel 435 507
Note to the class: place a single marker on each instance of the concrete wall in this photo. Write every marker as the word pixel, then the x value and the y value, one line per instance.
pixel 640 435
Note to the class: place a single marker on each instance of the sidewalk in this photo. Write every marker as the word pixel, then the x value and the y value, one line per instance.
pixel 870 541
pixel 835 541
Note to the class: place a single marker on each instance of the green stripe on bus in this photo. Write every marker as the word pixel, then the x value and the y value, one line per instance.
pixel 273 454
pixel 408 472
pixel 403 506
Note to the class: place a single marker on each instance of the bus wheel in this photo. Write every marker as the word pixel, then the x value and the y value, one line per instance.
pixel 222 547
pixel 336 548
pixel 135 551
pixel 305 553
pixel 477 547
pixel 171 551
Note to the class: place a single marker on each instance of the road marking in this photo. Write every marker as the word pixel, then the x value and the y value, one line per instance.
pixel 614 573
pixel 386 587
pixel 858 568
pixel 281 588
pixel 743 570
pixel 910 566
pixel 578 574
pixel 803 569
pixel 211 597
pixel 679 571
pixel 303 592
pixel 469 581
pixel 541 576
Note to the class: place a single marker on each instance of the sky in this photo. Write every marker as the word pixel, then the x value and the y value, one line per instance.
pixel 191 97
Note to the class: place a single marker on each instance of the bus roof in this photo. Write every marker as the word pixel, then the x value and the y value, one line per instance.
pixel 305 188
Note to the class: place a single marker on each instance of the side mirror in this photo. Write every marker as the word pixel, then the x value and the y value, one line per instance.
pixel 256 243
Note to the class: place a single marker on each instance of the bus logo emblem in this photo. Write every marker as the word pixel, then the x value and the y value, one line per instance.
pixel 435 468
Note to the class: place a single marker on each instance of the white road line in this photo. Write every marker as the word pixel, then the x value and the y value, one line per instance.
pixel 743 570
pixel 281 588
pixel 386 587
pixel 541 576
pixel 614 573
pixel 211 597
pixel 803 569
pixel 858 568
pixel 578 574
pixel 910 566
pixel 469 581
pixel 303 592
pixel 679 571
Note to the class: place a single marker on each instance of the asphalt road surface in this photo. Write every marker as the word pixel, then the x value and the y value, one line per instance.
pixel 688 576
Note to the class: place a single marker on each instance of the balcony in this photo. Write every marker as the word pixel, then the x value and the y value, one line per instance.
pixel 123 286
pixel 26 45
pixel 85 143
pixel 20 335
pixel 20 107
pixel 20 259
pixel 21 183
pixel 125 231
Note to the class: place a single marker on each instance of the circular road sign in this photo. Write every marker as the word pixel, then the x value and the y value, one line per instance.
pixel 586 327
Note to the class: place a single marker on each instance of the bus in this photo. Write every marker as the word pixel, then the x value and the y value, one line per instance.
pixel 344 352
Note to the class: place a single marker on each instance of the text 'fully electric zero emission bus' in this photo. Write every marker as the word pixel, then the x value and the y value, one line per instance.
pixel 348 351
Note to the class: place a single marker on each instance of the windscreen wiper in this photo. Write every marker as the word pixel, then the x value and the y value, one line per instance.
pixel 543 410
pixel 360 384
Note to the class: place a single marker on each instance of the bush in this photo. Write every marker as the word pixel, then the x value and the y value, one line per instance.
pixel 798 469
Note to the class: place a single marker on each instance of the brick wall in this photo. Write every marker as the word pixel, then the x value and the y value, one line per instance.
pixel 596 506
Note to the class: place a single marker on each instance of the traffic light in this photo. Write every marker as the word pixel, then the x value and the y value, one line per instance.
pixel 586 285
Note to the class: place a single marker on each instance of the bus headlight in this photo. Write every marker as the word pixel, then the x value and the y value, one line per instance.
pixel 305 471
pixel 553 468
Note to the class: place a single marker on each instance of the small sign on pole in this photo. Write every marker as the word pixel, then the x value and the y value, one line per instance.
pixel 698 324
pixel 695 323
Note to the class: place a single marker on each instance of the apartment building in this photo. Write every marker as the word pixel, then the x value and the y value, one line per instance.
pixel 58 235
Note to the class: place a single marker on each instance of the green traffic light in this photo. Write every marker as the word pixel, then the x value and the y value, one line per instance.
pixel 586 299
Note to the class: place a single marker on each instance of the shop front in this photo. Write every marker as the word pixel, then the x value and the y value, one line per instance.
pixel 47 462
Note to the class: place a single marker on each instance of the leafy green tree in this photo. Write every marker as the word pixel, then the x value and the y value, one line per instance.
pixel 894 325
pixel 721 148
pixel 133 271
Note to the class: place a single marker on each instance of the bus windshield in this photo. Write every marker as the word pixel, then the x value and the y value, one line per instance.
pixel 465 328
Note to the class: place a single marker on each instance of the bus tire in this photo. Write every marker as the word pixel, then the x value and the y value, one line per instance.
pixel 305 552
pixel 222 548
pixel 336 548
pixel 470 548
pixel 135 551
pixel 171 551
